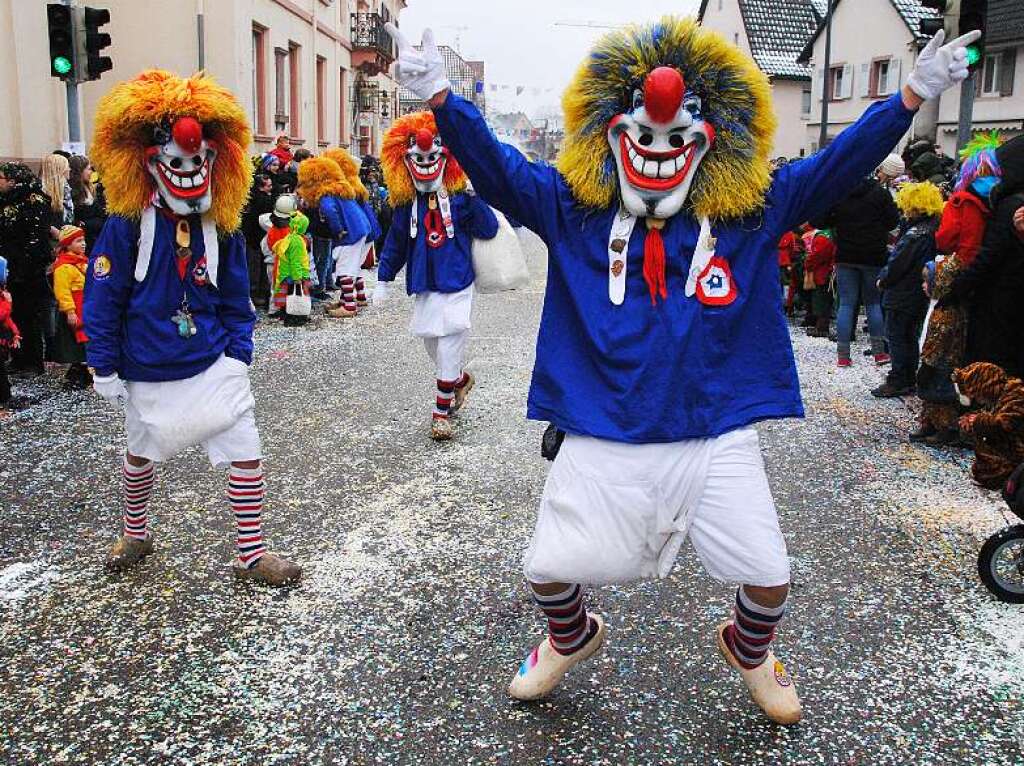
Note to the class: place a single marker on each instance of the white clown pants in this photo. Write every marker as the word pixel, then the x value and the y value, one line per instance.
pixel 214 409
pixel 614 512
pixel 443 320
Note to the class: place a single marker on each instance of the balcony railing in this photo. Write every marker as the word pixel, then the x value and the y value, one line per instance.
pixel 368 34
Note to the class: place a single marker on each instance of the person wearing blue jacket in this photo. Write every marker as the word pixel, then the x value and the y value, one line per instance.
pixel 167 309
pixel 431 236
pixel 662 340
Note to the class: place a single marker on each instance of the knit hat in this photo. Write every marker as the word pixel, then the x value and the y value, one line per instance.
pixel 68 235
pixel 893 166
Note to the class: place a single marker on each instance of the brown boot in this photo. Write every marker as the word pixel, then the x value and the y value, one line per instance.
pixel 271 569
pixel 127 552
pixel 461 393
pixel 441 430
pixel 340 313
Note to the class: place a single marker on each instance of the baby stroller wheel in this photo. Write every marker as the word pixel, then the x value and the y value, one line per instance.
pixel 1001 564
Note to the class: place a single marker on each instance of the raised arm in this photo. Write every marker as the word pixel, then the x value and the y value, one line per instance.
pixel 804 190
pixel 500 174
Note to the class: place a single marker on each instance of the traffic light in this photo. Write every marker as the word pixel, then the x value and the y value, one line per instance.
pixel 95 64
pixel 973 14
pixel 62 41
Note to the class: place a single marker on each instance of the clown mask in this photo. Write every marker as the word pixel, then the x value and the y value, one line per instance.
pixel 426 158
pixel 181 162
pixel 659 144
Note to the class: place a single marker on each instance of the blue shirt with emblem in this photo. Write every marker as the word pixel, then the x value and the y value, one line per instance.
pixel 680 369
pixel 129 324
pixel 444 269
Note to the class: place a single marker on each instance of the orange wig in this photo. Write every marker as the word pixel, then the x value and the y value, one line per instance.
pixel 392 159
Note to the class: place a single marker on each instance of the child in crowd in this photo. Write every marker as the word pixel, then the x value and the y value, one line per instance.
pixel 69 289
pixel 819 263
pixel 10 337
pixel 291 269
pixel 904 301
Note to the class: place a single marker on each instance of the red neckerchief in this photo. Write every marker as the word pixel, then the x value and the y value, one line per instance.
pixel 67 258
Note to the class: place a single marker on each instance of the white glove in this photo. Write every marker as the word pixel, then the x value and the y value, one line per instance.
pixel 939 67
pixel 381 292
pixel 421 71
pixel 111 388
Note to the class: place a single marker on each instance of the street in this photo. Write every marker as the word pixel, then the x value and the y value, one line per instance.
pixel 399 643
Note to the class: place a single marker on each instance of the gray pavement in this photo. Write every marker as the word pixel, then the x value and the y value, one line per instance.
pixel 399 643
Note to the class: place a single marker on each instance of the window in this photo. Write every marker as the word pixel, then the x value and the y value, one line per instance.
pixel 342 106
pixel 280 102
pixel 998 73
pixel 735 38
pixel 881 77
pixel 840 82
pixel 294 90
pixel 321 123
pixel 805 99
pixel 259 80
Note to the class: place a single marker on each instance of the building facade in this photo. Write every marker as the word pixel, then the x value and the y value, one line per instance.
pixel 773 33
pixel 865 68
pixel 315 70
pixel 466 78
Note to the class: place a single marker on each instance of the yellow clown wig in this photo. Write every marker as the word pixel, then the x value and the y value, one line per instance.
pixel 392 159
pixel 732 179
pixel 915 200
pixel 350 169
pixel 126 118
pixel 320 177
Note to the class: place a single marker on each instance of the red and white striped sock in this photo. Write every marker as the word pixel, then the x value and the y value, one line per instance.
pixel 245 493
pixel 750 636
pixel 445 395
pixel 568 624
pixel 348 293
pixel 138 486
pixel 360 291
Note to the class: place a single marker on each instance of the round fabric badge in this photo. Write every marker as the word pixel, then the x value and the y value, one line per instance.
pixel 715 285
pixel 101 267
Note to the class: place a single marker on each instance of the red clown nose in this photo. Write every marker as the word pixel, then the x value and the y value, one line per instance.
pixel 424 139
pixel 188 133
pixel 663 93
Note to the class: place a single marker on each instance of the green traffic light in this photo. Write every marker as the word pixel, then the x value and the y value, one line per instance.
pixel 61 65
pixel 973 54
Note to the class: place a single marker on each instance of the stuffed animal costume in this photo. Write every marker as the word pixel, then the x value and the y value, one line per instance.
pixel 431 236
pixel 167 308
pixel 662 340
pixel 998 429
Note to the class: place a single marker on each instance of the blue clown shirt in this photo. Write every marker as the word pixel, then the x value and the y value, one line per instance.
pixel 129 323
pixel 444 269
pixel 680 369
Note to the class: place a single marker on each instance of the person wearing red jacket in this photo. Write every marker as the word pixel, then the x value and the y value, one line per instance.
pixel 790 246
pixel 10 336
pixel 963 226
pixel 821 259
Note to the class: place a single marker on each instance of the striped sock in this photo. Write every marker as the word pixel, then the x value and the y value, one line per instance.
pixel 445 394
pixel 138 486
pixel 348 293
pixel 245 493
pixel 750 636
pixel 568 626
pixel 360 290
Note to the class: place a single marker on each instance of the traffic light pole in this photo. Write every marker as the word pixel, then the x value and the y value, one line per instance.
pixel 74 117
pixel 963 133
pixel 827 79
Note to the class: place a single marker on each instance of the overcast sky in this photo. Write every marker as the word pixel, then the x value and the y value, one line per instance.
pixel 520 41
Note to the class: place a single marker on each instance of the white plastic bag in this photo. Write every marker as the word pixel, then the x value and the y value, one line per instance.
pixel 298 304
pixel 499 263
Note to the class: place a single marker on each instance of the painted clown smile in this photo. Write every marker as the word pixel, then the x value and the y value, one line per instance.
pixel 656 171
pixel 186 185
pixel 425 172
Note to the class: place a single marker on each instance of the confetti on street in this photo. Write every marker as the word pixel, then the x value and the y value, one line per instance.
pixel 398 645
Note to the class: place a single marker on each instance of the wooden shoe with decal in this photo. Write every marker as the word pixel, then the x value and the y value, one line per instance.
pixel 544 668
pixel 769 683
pixel 462 393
